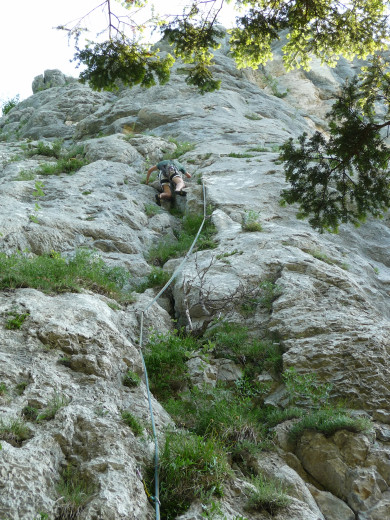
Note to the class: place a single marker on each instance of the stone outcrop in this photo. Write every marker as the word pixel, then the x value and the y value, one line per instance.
pixel 331 311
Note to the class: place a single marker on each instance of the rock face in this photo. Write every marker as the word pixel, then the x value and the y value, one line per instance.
pixel 331 312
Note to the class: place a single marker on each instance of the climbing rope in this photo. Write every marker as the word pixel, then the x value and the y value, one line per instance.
pixel 155 499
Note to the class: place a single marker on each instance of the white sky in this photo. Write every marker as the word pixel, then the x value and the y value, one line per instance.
pixel 29 43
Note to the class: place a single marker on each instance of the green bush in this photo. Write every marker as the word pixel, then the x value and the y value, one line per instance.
pixel 165 357
pixel 30 413
pixel 270 417
pixel 49 150
pixel 190 467
pixel 131 379
pixel 20 387
pixel 269 495
pixel 3 389
pixel 54 274
pixel 10 104
pixel 269 291
pixel 251 222
pixel 151 210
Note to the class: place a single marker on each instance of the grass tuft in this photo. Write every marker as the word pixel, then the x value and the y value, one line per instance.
pixel 49 150
pixel 328 421
pixel 76 490
pixel 69 162
pixel 131 421
pixel 269 495
pixel 56 403
pixel 14 431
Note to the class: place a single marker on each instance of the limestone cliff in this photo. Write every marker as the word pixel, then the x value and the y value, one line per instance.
pixel 331 313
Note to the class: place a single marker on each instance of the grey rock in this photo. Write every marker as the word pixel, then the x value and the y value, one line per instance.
pixel 112 148
pixel 201 372
pixel 228 371
pixel 50 78
pixel 331 507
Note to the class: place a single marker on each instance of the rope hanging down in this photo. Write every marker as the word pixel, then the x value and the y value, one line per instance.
pixel 156 499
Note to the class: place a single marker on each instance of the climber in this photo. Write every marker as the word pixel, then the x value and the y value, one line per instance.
pixel 169 172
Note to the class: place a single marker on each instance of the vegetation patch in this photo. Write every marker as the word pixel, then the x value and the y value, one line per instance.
pixel 219 414
pixel 52 273
pixel 272 83
pixel 175 249
pixel 156 278
pixel 232 341
pixel 240 155
pixel 76 491
pixel 181 149
pixel 56 403
pixel 269 292
pixel 250 221
pixel 131 421
pixel 16 320
pixel 165 359
pixel 151 210
pixel 318 413
pixel 30 413
pixel 228 414
pixel 21 387
pixel 131 379
pixel 231 417
pixel 9 104
pixel 69 162
pixel 325 258
pixel 259 149
pixel 328 421
pixel 190 467
pixel 46 149
pixel 253 116
pixel 222 256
